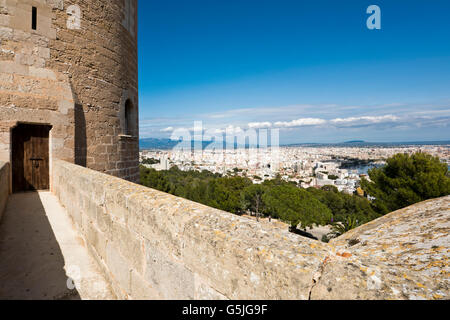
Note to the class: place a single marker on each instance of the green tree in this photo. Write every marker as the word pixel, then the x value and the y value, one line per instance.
pixel 343 205
pixel 405 180
pixel 225 193
pixel 150 161
pixel 155 179
pixel 252 199
pixel 289 203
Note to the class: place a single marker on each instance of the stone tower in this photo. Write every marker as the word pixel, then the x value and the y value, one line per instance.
pixel 69 67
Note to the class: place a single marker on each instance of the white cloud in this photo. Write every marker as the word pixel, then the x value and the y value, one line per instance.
pixel 168 129
pixel 259 125
pixel 301 122
pixel 233 130
pixel 228 130
pixel 217 131
pixel 365 119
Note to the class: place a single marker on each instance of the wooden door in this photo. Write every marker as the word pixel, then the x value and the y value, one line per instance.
pixel 30 157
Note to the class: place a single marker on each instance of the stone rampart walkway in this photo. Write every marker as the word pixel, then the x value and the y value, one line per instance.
pixel 40 249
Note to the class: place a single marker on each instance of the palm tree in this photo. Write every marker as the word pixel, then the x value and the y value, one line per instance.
pixel 339 228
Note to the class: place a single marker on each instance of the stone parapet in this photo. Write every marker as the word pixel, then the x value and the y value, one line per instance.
pixel 153 245
pixel 404 254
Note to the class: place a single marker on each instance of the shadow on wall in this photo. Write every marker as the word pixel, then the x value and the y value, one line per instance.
pixel 80 131
pixel 80 136
pixel 31 261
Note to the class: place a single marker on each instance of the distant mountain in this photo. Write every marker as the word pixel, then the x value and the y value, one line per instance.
pixel 360 144
pixel 167 144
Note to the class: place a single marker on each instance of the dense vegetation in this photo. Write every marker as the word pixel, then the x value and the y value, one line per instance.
pixel 275 198
pixel 150 161
pixel 403 181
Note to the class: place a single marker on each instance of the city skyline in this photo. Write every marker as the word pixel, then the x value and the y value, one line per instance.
pixel 313 70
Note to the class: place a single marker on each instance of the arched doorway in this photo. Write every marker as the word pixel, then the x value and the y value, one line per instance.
pixel 30 157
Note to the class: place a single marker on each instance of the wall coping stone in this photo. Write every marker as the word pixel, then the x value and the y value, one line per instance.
pixel 234 257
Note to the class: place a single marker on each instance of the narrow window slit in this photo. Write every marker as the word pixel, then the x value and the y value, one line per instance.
pixel 34 18
pixel 129 127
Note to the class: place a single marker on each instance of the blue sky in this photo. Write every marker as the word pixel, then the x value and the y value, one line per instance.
pixel 311 68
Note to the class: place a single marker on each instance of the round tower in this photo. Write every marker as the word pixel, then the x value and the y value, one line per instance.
pixel 70 67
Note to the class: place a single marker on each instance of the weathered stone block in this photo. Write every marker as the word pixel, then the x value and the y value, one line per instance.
pixel 141 290
pixel 97 240
pixel 104 222
pixel 130 245
pixel 168 276
pixel 119 268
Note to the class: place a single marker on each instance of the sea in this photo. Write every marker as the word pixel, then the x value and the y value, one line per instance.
pixel 363 169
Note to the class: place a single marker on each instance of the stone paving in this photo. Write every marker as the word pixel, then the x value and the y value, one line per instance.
pixel 42 256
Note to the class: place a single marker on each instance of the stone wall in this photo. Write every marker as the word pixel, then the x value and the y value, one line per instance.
pixel 152 245
pixel 30 91
pixel 405 255
pixel 76 79
pixel 4 186
pixel 101 59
